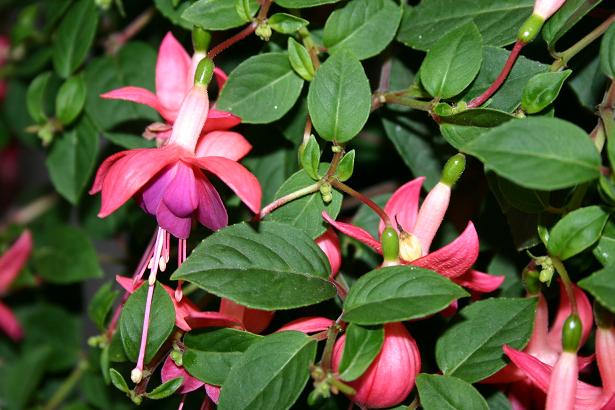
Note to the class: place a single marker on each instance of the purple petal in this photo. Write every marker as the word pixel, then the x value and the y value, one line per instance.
pixel 211 213
pixel 181 196
pixel 178 227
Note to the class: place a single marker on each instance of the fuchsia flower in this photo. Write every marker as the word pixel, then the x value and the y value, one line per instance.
pixel 5 47
pixel 546 8
pixel 11 263
pixel 390 377
pixel 417 228
pixel 330 245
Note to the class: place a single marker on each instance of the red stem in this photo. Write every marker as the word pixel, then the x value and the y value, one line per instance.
pixel 249 29
pixel 478 101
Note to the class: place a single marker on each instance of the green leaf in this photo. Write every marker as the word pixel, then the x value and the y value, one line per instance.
pixel 271 374
pixel 74 37
pixel 274 168
pixel 497 400
pixel 72 159
pixel 20 377
pixel 445 392
pixel 339 99
pixel 274 267
pixel 508 96
pixel 542 89
pixel 210 355
pixel 460 135
pixel 243 9
pixel 576 231
pixel 129 141
pixel 286 23
pixel 216 14
pixel 605 249
pixel 70 99
pixel 64 254
pixel 398 293
pixel 607 52
pixel 36 96
pixel 305 213
pixel 173 12
pixel 101 304
pixel 165 389
pixel 299 4
pixel 261 89
pixel 162 316
pixel 539 153
pixel 497 21
pixel 300 59
pixel 523 199
pixel 346 166
pixel 476 117
pixel 118 381
pixel 488 325
pixel 364 27
pixel 571 12
pixel 360 349
pixel 601 285
pixel 452 62
pixel 310 158
pixel 588 82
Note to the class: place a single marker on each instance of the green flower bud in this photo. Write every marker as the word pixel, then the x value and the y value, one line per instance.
pixel 546 274
pixel 530 29
pixel 532 281
pixel 390 244
pixel 571 333
pixel 453 169
pixel 263 31
pixel 200 39
pixel 204 72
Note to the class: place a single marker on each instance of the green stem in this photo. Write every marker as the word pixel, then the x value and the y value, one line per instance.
pixel 406 101
pixel 310 189
pixel 337 157
pixel 311 47
pixel 563 274
pixel 67 386
pixel 606 111
pixel 327 354
pixel 374 206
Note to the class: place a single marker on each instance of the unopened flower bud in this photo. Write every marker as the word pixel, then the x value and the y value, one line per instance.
pixel 136 375
pixel 263 31
pixel 453 169
pixel 546 274
pixel 204 72
pixel 530 29
pixel 571 333
pixel 532 281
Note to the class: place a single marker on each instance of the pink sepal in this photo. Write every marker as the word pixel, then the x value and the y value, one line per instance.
pixel 330 245
pixel 172 73
pixel 227 144
pixel 14 259
pixel 479 281
pixel 403 205
pixel 253 320
pixel 9 323
pixel 171 371
pixel 308 325
pixel 355 232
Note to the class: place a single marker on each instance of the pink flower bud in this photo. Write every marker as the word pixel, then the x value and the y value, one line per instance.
pixel 390 377
pixel 605 352
pixel 431 215
pixel 330 245
pixel 546 8
pixel 563 383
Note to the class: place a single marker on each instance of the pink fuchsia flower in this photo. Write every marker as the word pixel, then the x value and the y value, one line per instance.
pixel 546 8
pixel 390 377
pixel 330 245
pixel 174 78
pixel 417 228
pixel 169 181
pixel 5 48
pixel 11 263
pixel 252 320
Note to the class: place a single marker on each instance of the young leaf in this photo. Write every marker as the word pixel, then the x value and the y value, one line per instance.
pixel 605 249
pixel 35 98
pixel 243 9
pixel 101 304
pixel 300 59
pixel 272 267
pixel 271 373
pixel 601 285
pixel 346 166
pixel 339 99
pixel 162 315
pixel 70 99
pixel 440 392
pixel 607 52
pixel 476 117
pixel 118 381
pixel 286 23
pixel 540 153
pixel 364 27
pixel 576 232
pixel 74 37
pixel 452 63
pixel 310 158
pixel 361 348
pixel 399 293
pixel 210 355
pixel 488 325
pixel 299 4
pixel 261 89
pixel 305 213
pixel 571 12
pixel 217 14
pixel 165 389
pixel 542 89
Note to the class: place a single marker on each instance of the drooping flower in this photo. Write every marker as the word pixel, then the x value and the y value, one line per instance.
pixel 169 181
pixel 11 263
pixel 391 376
pixel 330 245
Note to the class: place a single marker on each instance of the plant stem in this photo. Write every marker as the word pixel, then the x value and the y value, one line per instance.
pixel 117 40
pixel 67 385
pixel 345 188
pixel 249 29
pixel 289 198
pixel 510 62
pixel 606 111
pixel 327 354
pixel 563 274
pixel 335 161
pixel 395 98
pixel 309 44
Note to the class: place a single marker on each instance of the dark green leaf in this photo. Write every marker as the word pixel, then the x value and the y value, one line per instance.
pixel 305 213
pixel 364 27
pixel 605 249
pixel 397 293
pixel 339 99
pixel 270 374
pixel 243 9
pixel 72 159
pixel 274 168
pixel 216 14
pixel 64 254
pixel 74 37
pixel 497 400
pixel 588 81
pixel 286 23
pixel 173 11
pixel 539 153
pixel 526 200
pixel 101 304
pixel 310 158
pixel 565 18
pixel 128 141
pixel 346 166
pixel 21 377
pixel 601 285
pixel 299 4
pixel 576 231
pixel 261 89
pixel 300 59
pixel 118 381
pixel 162 315
pixel 445 392
pixel 498 22
pixel 488 325
pixel 452 62
pixel 360 349
pixel 274 267
pixel 70 99
pixel 460 135
pixel 210 355
pixel 542 89
pixel 36 96
pixel 607 52
pixel 165 389
pixel 477 117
